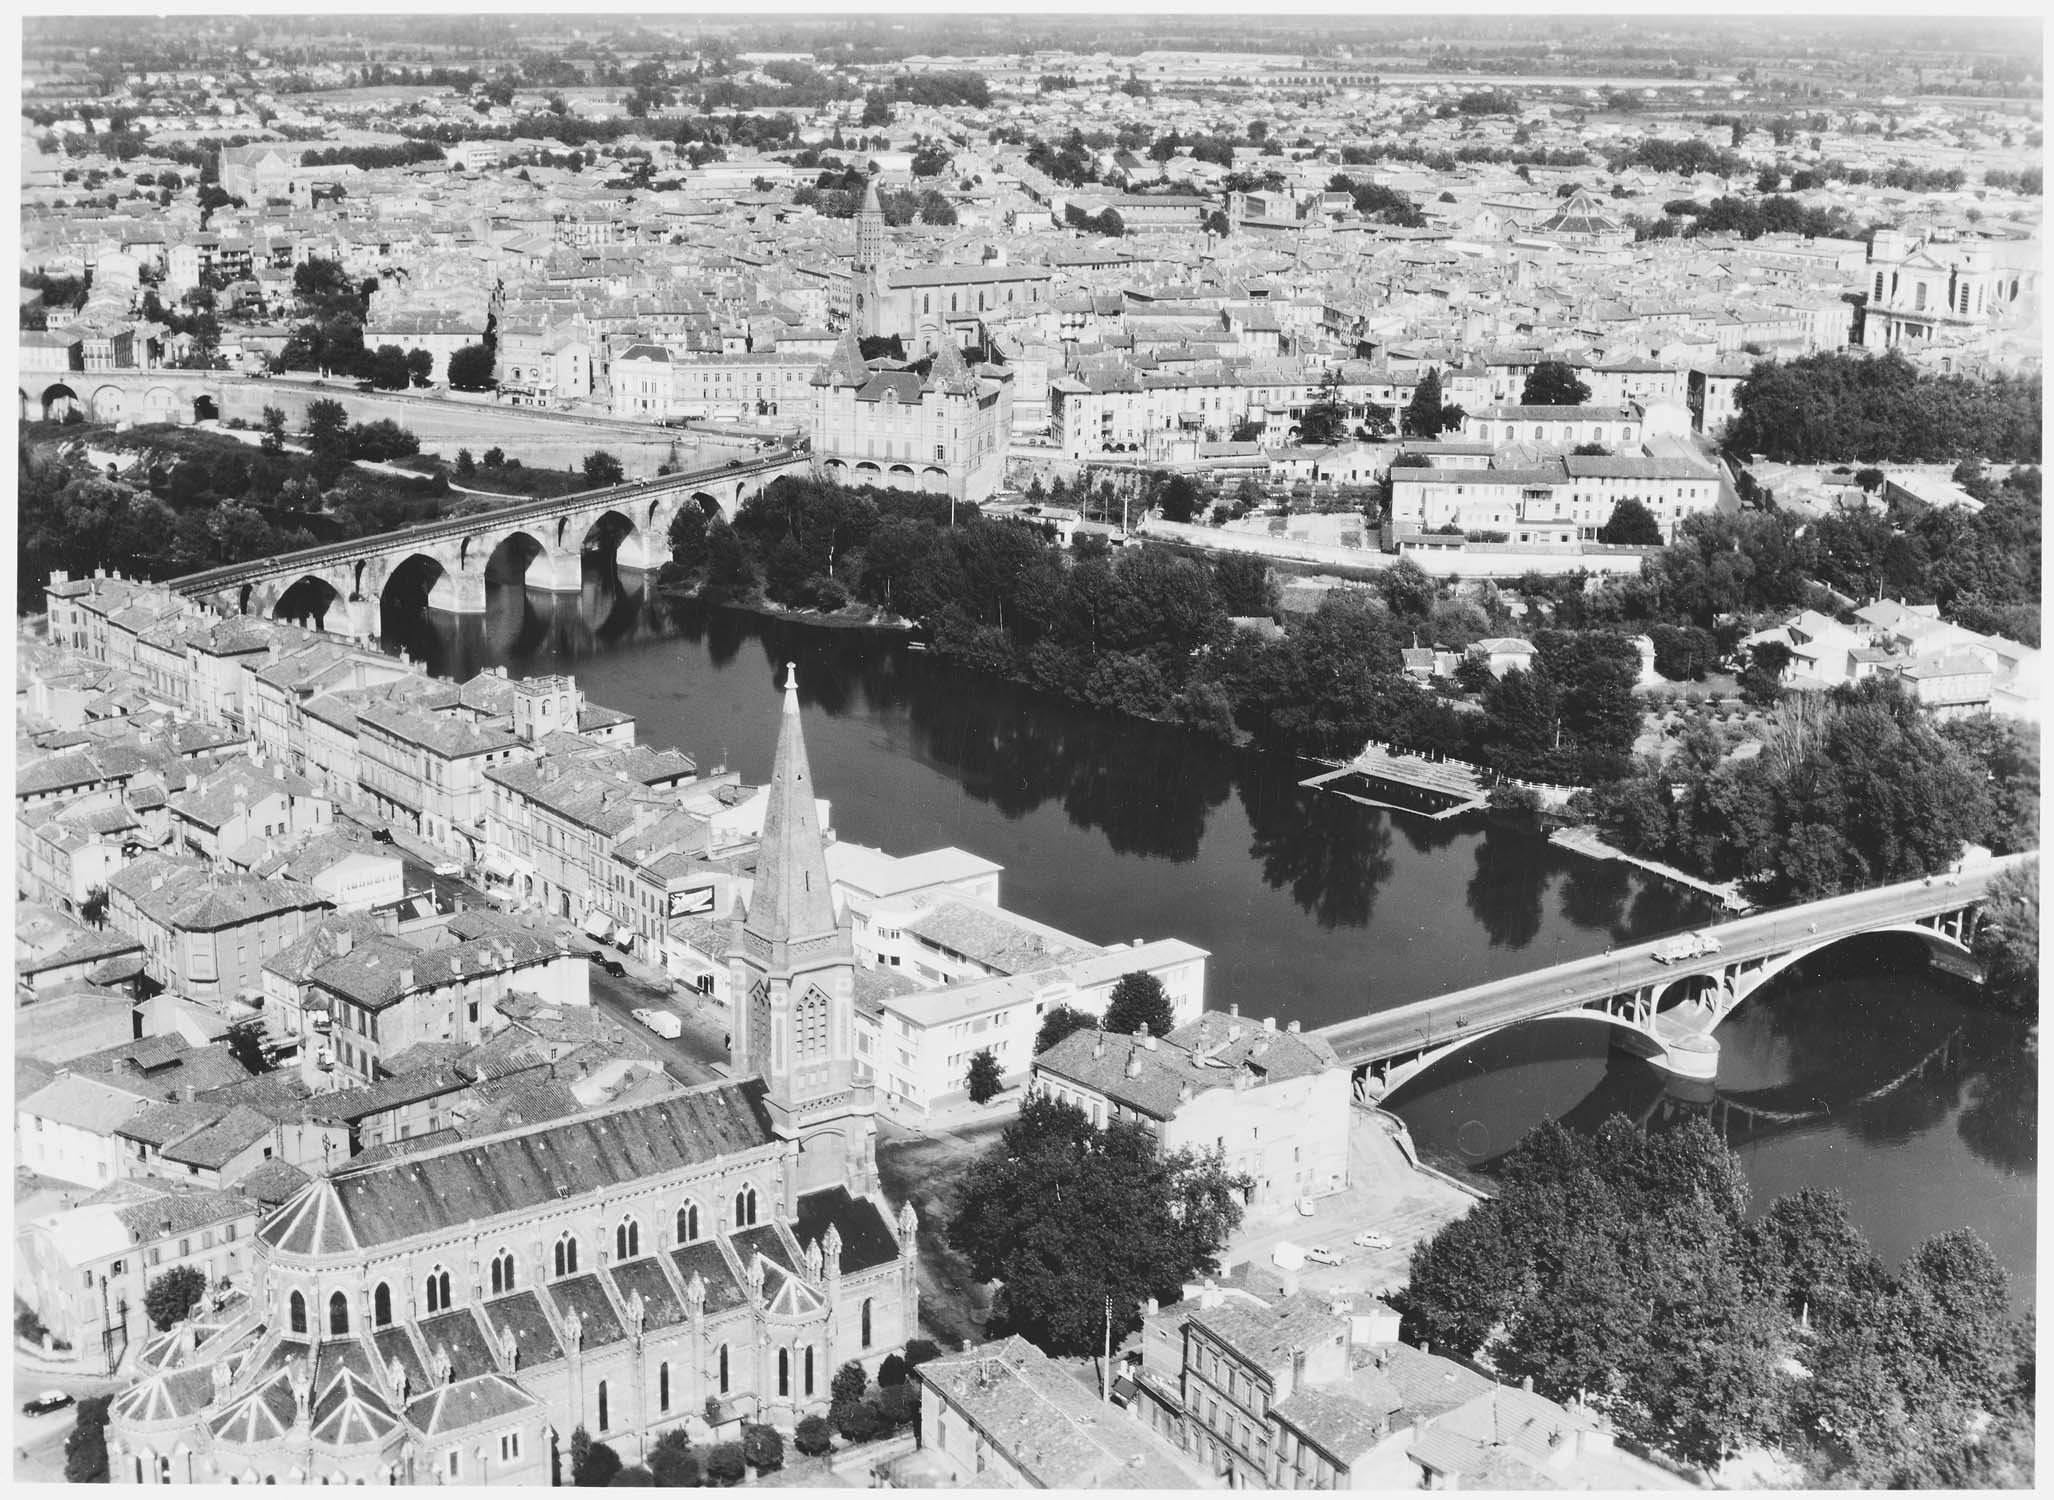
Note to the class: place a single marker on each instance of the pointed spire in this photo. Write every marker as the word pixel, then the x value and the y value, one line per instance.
pixel 792 900
pixel 949 372
pixel 845 366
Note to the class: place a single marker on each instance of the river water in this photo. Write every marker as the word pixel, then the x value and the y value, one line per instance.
pixel 1315 908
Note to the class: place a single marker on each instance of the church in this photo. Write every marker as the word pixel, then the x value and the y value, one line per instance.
pixel 453 1314
pixel 925 307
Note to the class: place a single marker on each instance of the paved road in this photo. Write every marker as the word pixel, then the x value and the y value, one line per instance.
pixel 1568 986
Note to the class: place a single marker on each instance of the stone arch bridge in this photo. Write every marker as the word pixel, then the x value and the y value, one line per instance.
pixel 1667 1011
pixel 536 543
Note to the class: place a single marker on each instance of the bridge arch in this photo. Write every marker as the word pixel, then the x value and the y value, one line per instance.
pixel 109 403
pixel 206 408
pixel 522 559
pixel 1435 1052
pixel 1747 983
pixel 615 532
pixel 59 400
pixel 707 503
pixel 160 404
pixel 311 597
pixel 417 579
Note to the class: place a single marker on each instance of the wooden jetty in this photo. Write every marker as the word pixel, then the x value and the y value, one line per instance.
pixel 1437 778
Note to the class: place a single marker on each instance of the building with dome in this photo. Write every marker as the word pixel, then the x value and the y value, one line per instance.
pixel 453 1314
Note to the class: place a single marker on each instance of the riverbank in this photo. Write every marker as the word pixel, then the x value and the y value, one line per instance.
pixel 1585 840
pixel 852 616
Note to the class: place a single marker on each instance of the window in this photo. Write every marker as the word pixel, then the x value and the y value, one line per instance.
pixel 455 1463
pixel 338 1314
pixel 663 1387
pixel 296 1313
pixel 784 1372
pixel 866 1322
pixel 745 1208
pixel 602 1407
pixel 566 1255
pixel 688 1223
pixel 809 1026
pixel 509 1446
pixel 809 1369
pixel 381 1306
pixel 627 1240
pixel 185 1247
pixel 502 1272
pixel 722 1369
pixel 438 1290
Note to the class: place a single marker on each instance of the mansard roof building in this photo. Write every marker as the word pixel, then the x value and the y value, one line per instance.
pixel 452 1313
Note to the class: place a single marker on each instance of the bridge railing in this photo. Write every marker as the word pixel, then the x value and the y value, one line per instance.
pixel 430 531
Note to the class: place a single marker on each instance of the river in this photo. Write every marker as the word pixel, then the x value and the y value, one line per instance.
pixel 1314 908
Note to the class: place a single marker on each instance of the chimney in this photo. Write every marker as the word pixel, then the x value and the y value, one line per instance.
pixel 406 977
pixel 1148 1039
pixel 1098 1046
pixel 1154 1307
pixel 1526 1383
pixel 1292 1028
pixel 185 1093
pixel 344 941
pixel 1234 1009
pixel 1134 1064
pixel 1269 1023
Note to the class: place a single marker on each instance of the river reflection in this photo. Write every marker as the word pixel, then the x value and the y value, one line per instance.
pixel 1858 1071
pixel 1313 908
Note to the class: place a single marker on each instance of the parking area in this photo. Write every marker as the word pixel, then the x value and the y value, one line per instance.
pixel 1384 1194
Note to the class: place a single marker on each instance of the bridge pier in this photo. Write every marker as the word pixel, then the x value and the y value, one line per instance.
pixel 357 618
pixel 458 593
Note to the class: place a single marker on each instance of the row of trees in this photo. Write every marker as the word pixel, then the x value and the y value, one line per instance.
pixel 1621 1269
pixel 1836 407
pixel 1853 788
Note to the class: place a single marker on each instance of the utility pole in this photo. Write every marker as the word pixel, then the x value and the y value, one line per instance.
pixel 1105 1370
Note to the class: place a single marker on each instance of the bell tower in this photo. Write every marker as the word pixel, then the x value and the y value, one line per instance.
pixel 792 973
pixel 866 271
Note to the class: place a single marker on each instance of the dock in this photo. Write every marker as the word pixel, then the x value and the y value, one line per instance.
pixel 1439 779
pixel 1582 840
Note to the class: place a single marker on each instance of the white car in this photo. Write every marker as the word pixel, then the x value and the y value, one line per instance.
pixel 1371 1239
pixel 449 867
pixel 642 1014
pixel 1324 1256
pixel 662 1022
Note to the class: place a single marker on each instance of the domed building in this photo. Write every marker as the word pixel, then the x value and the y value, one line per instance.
pixel 454 1314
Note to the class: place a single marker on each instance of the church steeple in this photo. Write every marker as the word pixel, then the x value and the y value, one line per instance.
pixel 792 901
pixel 869 231
pixel 792 984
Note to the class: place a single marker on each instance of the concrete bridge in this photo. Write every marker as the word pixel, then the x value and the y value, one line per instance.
pixel 1666 1012
pixel 537 544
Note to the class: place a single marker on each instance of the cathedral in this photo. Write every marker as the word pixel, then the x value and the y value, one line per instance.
pixel 925 307
pixel 452 1315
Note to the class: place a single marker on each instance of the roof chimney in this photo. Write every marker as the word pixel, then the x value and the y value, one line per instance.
pixel 406 976
pixel 1269 1023
pixel 1234 1009
pixel 344 941
pixel 1134 1063
pixel 1292 1028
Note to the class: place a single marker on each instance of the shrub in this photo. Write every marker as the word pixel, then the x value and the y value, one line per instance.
pixel 763 1448
pixel 892 1372
pixel 633 1475
pixel 85 1451
pixel 27 1325
pixel 813 1437
pixel 900 1406
pixel 724 1465
pixel 596 1465
pixel 860 1422
pixel 849 1384
pixel 672 1462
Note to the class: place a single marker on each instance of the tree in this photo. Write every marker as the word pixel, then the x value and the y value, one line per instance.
pixel 763 1447
pixel 85 1449
pixel 420 366
pixel 173 1295
pixel 672 1463
pixel 494 458
pixel 466 466
pixel 1066 1215
pixel 1139 1000
pixel 93 910
pixel 2007 942
pixel 725 1464
pixel 1059 1023
pixel 1426 414
pixel 274 430
pixel 327 426
pixel 900 1406
pixel 602 468
pixel 986 1077
pixel 389 368
pixel 470 368
pixel 813 1437
pixel 593 1464
pixel 1326 421
pixel 246 1045
pixel 859 1423
pixel 1552 383
pixel 1631 524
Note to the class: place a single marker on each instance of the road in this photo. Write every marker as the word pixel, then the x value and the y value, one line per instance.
pixel 39 1441
pixel 1484 1007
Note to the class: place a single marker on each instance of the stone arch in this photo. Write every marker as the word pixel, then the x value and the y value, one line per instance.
pixel 311 597
pixel 206 408
pixel 522 559
pixel 160 404
pixel 615 532
pixel 707 503
pixel 867 468
pixel 58 400
pixel 110 403
pixel 242 602
pixel 420 580
pixel 935 481
pixel 356 578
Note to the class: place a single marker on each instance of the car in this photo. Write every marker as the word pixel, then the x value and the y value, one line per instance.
pixel 449 867
pixel 1324 1256
pixel 612 966
pixel 44 1404
pixel 1371 1239
pixel 663 1023
pixel 381 835
pixel 642 1013
pixel 1304 1208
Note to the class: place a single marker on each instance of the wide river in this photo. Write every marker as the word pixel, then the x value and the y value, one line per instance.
pixel 1855 1073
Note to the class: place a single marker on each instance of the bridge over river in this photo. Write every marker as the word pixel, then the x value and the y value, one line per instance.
pixel 1666 1011
pixel 539 544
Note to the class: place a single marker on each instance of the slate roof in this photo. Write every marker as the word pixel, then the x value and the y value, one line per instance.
pixel 1267 1337
pixel 1340 1424
pixel 534 1339
pixel 353 1414
pixel 487 1178
pixel 457 1334
pixel 595 1312
pixel 468 1403
pixel 866 1238
pixel 705 1261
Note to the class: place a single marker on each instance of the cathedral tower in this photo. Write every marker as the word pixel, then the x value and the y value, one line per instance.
pixel 866 272
pixel 792 972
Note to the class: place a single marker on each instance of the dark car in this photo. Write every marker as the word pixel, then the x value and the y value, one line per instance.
pixel 381 835
pixel 46 1403
pixel 612 966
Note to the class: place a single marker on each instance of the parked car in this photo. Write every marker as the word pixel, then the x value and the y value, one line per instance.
pixel 663 1023
pixel 449 867
pixel 612 966
pixel 1304 1208
pixel 1371 1239
pixel 1324 1256
pixel 44 1404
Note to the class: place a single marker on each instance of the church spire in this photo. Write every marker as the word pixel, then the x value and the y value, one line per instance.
pixel 869 231
pixel 792 900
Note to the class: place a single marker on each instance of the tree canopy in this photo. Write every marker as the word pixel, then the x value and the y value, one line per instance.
pixel 1139 1000
pixel 1067 1216
pixel 1839 407
pixel 1552 383
pixel 1631 524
